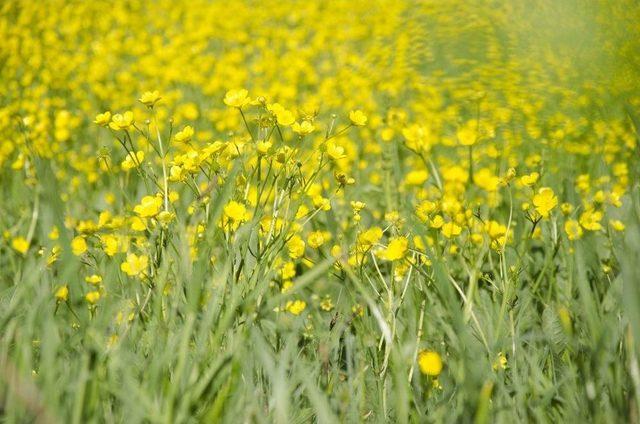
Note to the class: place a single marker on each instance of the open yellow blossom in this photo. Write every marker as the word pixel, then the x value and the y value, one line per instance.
pixel 396 249
pixel 617 225
pixel 544 201
pixel 467 134
pixel 296 307
pixel 149 207
pixel 295 246
pixel 62 293
pixel 234 214
pixel 334 151
pixel 135 265
pixel 530 179
pixel 451 229
pixel 78 245
pixel 92 297
pixel 317 239
pixel 430 363
pixel 132 161
pixel 358 118
pixel 573 229
pixel 94 279
pixel 121 121
pixel 110 244
pixel 103 119
pixel 150 98
pixel 285 117
pixel 20 245
pixel 369 237
pixel 416 177
pixel 54 234
pixel 303 128
pixel 185 135
pixel 262 147
pixel 237 98
pixel 590 220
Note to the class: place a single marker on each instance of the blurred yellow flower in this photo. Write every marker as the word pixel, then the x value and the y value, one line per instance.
pixel 20 245
pixel 430 363
pixel 544 201
pixel 358 118
pixel 237 98
pixel 135 265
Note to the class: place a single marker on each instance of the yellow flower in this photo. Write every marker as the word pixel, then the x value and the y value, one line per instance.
pixel 296 246
pixel 316 239
pixel 165 217
pixel 54 234
pixel 135 265
pixel 149 206
pixel 185 135
pixel 234 214
pixel 358 118
pixel 285 117
pixel 20 244
pixel 78 245
pixel 94 279
pixel 501 362
pixel 486 180
pixel 590 220
pixel 62 294
pixel 326 304
pixel 288 271
pixel 296 306
pixel 566 208
pixel 303 128
pixel 263 147
pixel 430 363
pixel 121 121
pixel 132 161
pixel 334 151
pixel 103 119
pixel 451 229
pixel 110 244
pixel 236 98
pixel 396 249
pixel 369 237
pixel 436 222
pixel 92 297
pixel 467 134
pixel 495 230
pixel 529 180
pixel 416 178
pixel 150 98
pixel 545 201
pixel 573 229
pixel 617 225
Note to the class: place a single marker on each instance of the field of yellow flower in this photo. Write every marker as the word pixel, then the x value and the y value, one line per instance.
pixel 342 211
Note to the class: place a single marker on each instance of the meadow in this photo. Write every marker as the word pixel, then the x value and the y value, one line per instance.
pixel 345 211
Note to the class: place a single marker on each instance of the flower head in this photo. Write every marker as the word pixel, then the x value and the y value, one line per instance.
pixel 237 98
pixel 62 293
pixel 430 363
pixel 135 265
pixel 20 245
pixel 103 119
pixel 149 207
pixel 150 98
pixel 121 121
pixel 544 201
pixel 358 118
